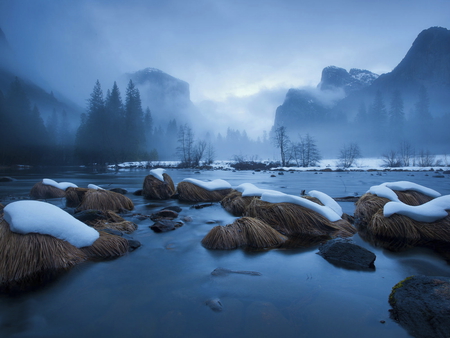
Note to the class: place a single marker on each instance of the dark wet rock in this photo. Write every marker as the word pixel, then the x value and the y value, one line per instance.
pixel 187 219
pixel 89 215
pixel 201 206
pixel 133 244
pixel 211 221
pixel 175 208
pixel 215 304
pixel 165 225
pixel 346 254
pixel 421 304
pixel 221 272
pixel 138 192
pixel 347 199
pixel 281 173
pixel 272 176
pixel 119 191
pixel 163 214
pixel 6 179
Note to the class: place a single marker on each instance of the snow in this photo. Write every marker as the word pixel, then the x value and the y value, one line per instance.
pixel 278 197
pixel 386 189
pixel 327 201
pixel 406 185
pixel 383 191
pixel 158 173
pixel 431 211
pixel 249 189
pixel 44 218
pixel 61 185
pixel 95 187
pixel 218 184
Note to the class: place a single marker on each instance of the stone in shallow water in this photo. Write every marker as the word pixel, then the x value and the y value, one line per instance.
pixel 225 272
pixel 346 254
pixel 165 225
pixel 215 304
pixel 421 304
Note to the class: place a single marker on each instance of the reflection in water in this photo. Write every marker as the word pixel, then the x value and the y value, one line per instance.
pixel 163 288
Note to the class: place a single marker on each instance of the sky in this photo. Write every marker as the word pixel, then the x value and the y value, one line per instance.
pixel 231 52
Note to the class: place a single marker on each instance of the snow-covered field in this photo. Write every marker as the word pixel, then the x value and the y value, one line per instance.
pixel 367 163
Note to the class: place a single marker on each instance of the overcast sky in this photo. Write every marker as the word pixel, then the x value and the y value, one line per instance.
pixel 225 49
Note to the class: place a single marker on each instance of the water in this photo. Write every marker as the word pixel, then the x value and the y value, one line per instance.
pixel 161 289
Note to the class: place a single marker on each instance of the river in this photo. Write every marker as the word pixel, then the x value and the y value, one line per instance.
pixel 162 288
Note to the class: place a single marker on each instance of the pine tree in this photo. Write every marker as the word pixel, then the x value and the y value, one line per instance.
pixel 90 141
pixel 396 116
pixel 134 123
pixel 115 121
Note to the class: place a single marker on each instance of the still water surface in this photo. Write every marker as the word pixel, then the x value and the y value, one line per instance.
pixel 161 289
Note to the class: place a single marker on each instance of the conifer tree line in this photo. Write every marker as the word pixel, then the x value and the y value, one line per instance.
pixel 113 131
pixel 24 137
pixel 386 121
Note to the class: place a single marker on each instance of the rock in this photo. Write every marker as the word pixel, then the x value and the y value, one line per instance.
pixel 165 225
pixel 89 215
pixel 119 191
pixel 175 208
pixel 346 254
pixel 163 214
pixel 6 179
pixel 138 192
pixel 133 244
pixel 214 304
pixel 220 272
pixel 421 304
pixel 187 219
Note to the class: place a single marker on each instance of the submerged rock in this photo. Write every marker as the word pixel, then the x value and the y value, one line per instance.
pixel 215 304
pixel 220 272
pixel 421 304
pixel 346 254
pixel 165 225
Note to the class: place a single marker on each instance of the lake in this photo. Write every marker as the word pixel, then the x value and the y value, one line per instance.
pixel 162 289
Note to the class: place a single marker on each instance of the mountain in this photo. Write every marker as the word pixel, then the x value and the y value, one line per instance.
pixel 426 65
pixel 45 101
pixel 335 77
pixel 167 97
pixel 305 108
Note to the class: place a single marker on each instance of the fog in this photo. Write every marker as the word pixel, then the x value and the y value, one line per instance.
pixel 238 58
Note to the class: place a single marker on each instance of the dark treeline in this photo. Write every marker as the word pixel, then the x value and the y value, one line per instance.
pixel 384 123
pixel 24 137
pixel 111 131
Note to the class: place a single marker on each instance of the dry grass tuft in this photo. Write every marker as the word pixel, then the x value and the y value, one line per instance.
pixel 111 220
pixel 33 258
pixel 41 191
pixel 223 238
pixel 106 246
pixel 105 200
pixel 295 220
pixel 74 196
pixel 245 231
pixel 189 192
pixel 369 204
pixel 157 190
pixel 235 204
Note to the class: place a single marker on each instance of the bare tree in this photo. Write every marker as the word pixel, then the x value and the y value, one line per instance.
pixel 406 153
pixel 210 154
pixel 307 151
pixel 185 149
pixel 348 154
pixel 281 141
pixel 425 158
pixel 198 152
pixel 391 159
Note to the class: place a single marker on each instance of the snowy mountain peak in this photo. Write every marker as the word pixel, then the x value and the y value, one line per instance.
pixel 338 78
